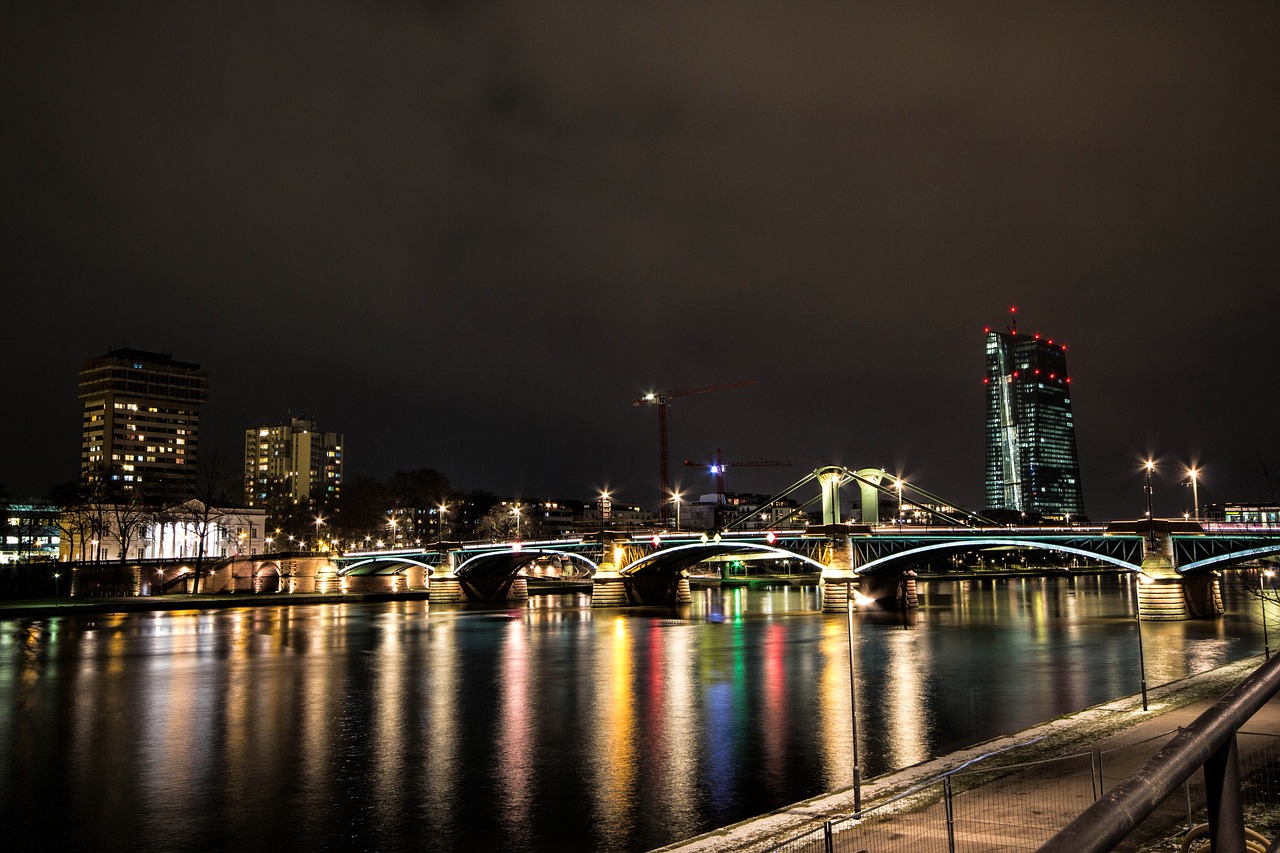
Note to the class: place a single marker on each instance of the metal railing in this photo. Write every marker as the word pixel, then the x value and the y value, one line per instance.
pixel 1149 786
pixel 1210 743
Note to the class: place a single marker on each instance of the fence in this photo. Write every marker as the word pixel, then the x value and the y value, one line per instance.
pixel 1019 806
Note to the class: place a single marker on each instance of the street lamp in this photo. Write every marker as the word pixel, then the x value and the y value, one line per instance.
pixel 1137 617
pixel 444 508
pixel 1194 474
pixel 853 703
pixel 1151 519
pixel 515 510
pixel 57 575
pixel 676 499
pixel 898 485
pixel 391 522
pixel 319 521
pixel 1262 602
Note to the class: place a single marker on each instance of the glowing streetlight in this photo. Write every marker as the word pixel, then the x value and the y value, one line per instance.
pixel 444 508
pixel 57 575
pixel 319 521
pixel 1150 466
pixel 1262 602
pixel 897 484
pixel 391 522
pixel 676 499
pixel 1194 474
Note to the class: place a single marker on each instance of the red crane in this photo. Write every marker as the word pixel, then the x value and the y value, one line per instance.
pixel 662 399
pixel 717 469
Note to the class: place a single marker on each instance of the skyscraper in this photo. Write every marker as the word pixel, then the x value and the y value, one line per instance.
pixel 141 423
pixel 1031 438
pixel 292 463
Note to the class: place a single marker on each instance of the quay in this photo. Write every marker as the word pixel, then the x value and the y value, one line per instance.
pixel 1041 801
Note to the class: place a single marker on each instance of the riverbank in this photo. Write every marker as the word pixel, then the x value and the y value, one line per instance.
pixel 43 608
pixel 1109 726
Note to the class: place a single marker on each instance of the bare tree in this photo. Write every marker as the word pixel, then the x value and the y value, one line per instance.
pixel 216 484
pixel 129 516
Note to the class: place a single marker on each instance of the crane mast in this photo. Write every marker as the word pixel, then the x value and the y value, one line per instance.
pixel 662 399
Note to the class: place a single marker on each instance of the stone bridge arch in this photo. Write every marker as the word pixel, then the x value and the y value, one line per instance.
pixel 268 578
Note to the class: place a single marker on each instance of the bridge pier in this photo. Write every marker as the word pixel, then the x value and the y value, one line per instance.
pixel 837 581
pixel 891 590
pixel 1165 595
pixel 449 588
pixel 445 588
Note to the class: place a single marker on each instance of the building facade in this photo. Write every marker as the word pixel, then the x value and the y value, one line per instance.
pixel 294 462
pixel 1032 467
pixel 141 425
pixel 114 533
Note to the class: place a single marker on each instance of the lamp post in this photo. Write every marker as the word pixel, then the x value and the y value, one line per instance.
pixel 1262 603
pixel 391 522
pixel 57 575
pixel 1151 519
pixel 675 499
pixel 319 521
pixel 515 510
pixel 898 485
pixel 853 703
pixel 444 508
pixel 1137 617
pixel 1195 489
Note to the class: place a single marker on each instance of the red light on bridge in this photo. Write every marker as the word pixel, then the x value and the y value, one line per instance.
pixel 656 540
pixel 772 537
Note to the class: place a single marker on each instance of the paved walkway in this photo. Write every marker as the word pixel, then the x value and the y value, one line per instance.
pixel 1004 804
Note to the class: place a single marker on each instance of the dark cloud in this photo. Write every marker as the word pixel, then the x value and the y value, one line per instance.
pixel 468 234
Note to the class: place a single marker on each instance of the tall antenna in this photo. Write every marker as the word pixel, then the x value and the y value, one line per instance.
pixel 1013 314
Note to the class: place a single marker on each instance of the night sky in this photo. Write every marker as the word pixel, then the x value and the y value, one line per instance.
pixel 468 234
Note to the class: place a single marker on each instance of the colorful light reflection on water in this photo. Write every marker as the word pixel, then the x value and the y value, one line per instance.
pixel 543 727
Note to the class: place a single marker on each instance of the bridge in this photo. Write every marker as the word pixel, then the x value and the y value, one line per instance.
pixel 1177 561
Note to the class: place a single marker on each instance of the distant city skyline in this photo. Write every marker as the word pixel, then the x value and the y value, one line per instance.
pixel 468 235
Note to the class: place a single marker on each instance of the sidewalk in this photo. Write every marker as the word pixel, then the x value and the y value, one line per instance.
pixel 1109 726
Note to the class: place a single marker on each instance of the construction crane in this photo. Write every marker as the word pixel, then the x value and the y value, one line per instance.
pixel 717 470
pixel 662 399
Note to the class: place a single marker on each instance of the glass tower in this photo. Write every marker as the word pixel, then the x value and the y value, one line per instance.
pixel 1031 436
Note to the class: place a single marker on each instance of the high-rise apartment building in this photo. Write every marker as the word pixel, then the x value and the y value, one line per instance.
pixel 1031 438
pixel 293 462
pixel 142 421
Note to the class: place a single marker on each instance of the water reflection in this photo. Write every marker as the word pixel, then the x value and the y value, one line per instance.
pixel 546 727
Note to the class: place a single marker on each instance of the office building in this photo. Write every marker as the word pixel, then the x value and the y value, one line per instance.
pixel 292 463
pixel 141 424
pixel 1032 468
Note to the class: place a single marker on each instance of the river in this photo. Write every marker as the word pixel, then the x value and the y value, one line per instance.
pixel 548 726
